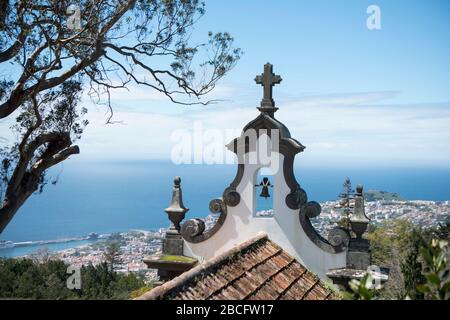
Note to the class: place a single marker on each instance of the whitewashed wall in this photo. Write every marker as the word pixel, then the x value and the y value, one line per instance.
pixel 284 228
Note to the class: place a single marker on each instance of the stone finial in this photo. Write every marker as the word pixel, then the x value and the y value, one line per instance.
pixel 176 211
pixel 358 219
pixel 359 257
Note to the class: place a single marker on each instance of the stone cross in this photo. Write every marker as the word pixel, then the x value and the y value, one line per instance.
pixel 268 79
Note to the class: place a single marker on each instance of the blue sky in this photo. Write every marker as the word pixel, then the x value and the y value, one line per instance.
pixel 323 47
pixel 350 94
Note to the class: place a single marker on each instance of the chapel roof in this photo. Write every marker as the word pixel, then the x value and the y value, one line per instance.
pixel 257 269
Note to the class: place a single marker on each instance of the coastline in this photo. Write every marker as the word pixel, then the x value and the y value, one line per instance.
pixel 421 212
pixel 28 248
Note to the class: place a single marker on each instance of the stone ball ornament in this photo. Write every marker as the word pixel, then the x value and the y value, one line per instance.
pixel 359 189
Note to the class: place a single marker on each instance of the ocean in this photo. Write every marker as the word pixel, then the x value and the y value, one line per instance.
pixel 114 196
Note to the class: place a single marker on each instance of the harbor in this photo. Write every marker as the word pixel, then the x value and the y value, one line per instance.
pixel 9 249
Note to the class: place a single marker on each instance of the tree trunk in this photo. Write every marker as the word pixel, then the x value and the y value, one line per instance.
pixel 10 207
pixel 23 184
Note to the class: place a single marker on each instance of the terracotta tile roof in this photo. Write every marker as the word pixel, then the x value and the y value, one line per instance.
pixel 257 269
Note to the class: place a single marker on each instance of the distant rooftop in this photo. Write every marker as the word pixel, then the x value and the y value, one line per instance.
pixel 258 269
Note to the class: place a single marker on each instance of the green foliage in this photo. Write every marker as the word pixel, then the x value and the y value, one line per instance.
pixel 437 269
pixel 112 254
pixel 391 243
pixel 24 278
pixel 361 289
pixel 28 279
pixel 411 268
pixel 442 232
pixel 57 115
pixel 436 273
pixel 346 195
pixel 139 292
pixel 419 267
pixel 55 54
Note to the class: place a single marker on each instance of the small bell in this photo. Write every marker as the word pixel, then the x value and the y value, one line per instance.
pixel 265 184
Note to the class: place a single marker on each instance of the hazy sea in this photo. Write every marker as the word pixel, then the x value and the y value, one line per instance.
pixel 115 196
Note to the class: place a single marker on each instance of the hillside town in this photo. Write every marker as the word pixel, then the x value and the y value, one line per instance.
pixel 420 212
pixel 134 245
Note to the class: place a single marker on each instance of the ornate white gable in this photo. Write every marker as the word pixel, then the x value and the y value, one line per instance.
pixel 266 142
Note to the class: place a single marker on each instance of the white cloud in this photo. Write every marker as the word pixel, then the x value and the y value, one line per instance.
pixel 335 129
pixel 347 128
pixel 137 135
pixel 385 134
pixel 346 99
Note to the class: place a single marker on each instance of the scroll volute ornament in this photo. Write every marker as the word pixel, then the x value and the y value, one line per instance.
pixel 231 197
pixel 296 199
pixel 339 237
pixel 193 228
